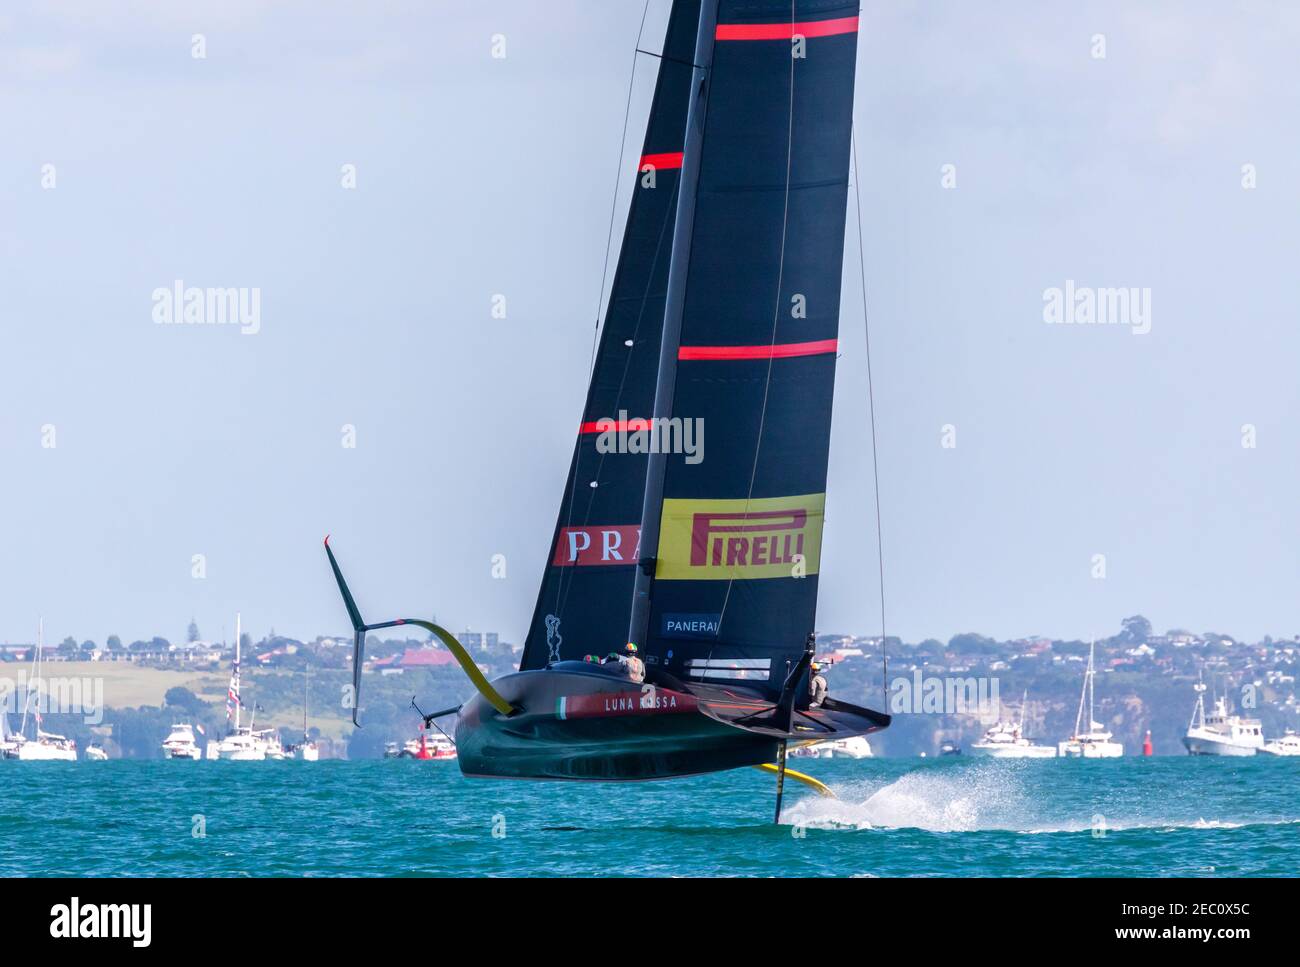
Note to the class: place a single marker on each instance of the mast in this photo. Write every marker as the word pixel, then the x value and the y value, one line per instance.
pixel 1091 674
pixel 674 306
pixel 239 699
pixel 40 657
pixel 1198 710
pixel 32 675
pixel 1083 694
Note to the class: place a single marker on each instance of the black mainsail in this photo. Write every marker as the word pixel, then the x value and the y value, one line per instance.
pixel 731 542
pixel 582 605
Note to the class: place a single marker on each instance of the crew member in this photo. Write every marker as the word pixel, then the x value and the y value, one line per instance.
pixel 816 686
pixel 631 662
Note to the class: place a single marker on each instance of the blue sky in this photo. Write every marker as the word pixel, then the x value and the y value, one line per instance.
pixel 478 176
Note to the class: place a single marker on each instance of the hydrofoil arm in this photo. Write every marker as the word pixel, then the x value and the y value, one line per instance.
pixel 359 629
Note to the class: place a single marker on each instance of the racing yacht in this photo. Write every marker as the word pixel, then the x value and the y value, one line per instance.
pixel 699 576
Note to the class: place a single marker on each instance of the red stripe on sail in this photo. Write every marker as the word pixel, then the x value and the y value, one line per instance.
pixel 602 426
pixel 671 159
pixel 782 351
pixel 787 31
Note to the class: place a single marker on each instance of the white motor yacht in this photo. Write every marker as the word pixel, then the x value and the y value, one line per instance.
pixel 1220 733
pixel 1006 740
pixel 854 747
pixel 1289 744
pixel 180 743
pixel 241 744
pixel 272 747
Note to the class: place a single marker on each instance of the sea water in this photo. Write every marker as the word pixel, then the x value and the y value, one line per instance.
pixel 955 816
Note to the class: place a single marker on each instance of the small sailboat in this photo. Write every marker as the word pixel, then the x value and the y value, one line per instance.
pixel 696 579
pixel 1006 740
pixel 1094 742
pixel 48 746
pixel 1221 733
pixel 306 750
pixel 43 746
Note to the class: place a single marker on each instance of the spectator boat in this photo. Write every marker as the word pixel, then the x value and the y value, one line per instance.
pixel 1095 742
pixel 1221 733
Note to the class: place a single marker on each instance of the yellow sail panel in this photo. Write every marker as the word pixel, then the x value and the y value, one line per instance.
pixel 723 540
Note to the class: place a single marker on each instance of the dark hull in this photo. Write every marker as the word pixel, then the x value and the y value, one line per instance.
pixel 580 721
pixel 593 726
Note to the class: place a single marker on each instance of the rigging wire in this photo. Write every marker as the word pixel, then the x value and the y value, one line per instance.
pixel 609 242
pixel 871 408
pixel 562 592
pixel 618 179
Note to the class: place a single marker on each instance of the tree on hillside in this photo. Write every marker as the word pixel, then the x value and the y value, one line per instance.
pixel 192 634
pixel 1134 631
pixel 114 643
pixel 182 698
pixel 68 647
pixel 972 644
